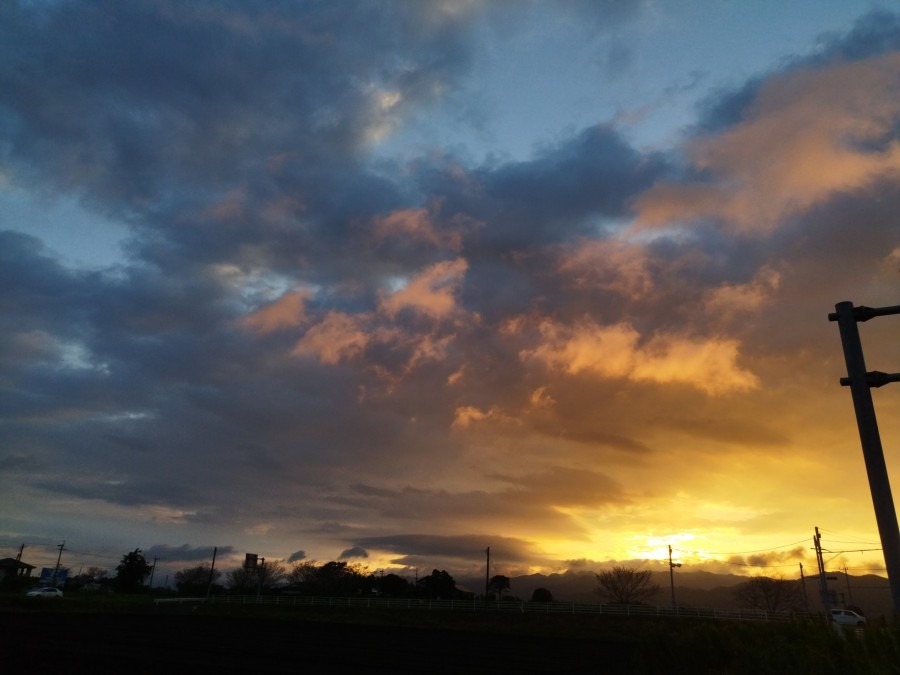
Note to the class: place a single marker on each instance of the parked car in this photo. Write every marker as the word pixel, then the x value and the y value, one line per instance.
pixel 847 618
pixel 46 592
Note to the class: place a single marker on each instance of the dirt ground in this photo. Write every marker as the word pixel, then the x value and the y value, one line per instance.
pixel 158 643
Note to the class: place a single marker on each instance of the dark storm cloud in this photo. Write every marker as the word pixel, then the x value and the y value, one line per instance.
pixel 354 552
pixel 873 34
pixel 465 547
pixel 566 190
pixel 165 113
pixel 300 334
pixel 186 553
pixel 536 497
pixel 296 556
pixel 877 32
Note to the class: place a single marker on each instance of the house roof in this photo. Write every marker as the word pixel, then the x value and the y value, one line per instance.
pixel 12 563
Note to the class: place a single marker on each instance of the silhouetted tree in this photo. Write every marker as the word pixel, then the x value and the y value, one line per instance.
pixel 773 595
pixel 394 586
pixel 132 571
pixel 89 579
pixel 302 573
pixel 438 586
pixel 95 574
pixel 195 580
pixel 626 586
pixel 499 583
pixel 541 595
pixel 336 578
pixel 340 578
pixel 255 579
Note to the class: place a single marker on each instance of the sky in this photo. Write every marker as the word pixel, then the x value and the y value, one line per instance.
pixel 393 282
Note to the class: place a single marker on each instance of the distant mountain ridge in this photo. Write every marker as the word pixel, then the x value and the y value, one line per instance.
pixel 701 589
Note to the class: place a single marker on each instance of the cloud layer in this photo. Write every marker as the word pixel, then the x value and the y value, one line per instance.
pixel 316 348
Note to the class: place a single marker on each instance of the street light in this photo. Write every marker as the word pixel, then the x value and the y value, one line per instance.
pixel 672 566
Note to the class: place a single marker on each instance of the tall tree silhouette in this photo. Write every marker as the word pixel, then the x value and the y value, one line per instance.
pixel 626 586
pixel 773 595
pixel 499 583
pixel 132 571
pixel 438 586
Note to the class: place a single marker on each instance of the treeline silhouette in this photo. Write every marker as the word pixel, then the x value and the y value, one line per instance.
pixel 330 579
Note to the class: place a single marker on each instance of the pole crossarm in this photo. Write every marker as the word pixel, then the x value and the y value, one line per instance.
pixel 863 313
pixel 875 378
pixel 861 382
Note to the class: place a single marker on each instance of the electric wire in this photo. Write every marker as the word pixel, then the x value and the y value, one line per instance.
pixel 762 550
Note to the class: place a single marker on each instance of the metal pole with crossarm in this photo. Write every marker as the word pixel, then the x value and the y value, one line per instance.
pixel 860 383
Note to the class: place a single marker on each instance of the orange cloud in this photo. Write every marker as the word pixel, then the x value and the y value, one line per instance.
pixel 607 351
pixel 415 224
pixel 809 134
pixel 730 300
pixel 286 312
pixel 612 264
pixel 432 292
pixel 429 348
pixel 338 337
pixel 466 416
pixel 617 351
pixel 709 365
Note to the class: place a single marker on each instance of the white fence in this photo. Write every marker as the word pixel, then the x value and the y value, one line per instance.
pixel 493 606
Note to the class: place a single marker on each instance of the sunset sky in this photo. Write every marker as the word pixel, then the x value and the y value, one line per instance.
pixel 395 281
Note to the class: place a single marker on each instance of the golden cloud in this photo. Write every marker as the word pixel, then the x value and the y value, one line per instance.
pixel 432 292
pixel 617 351
pixel 612 264
pixel 730 300
pixel 809 134
pixel 285 312
pixel 338 337
pixel 466 416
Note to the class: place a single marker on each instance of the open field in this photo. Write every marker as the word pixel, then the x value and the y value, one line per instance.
pixel 137 637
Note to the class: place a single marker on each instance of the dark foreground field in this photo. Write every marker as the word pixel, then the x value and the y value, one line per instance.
pixel 158 643
pixel 48 640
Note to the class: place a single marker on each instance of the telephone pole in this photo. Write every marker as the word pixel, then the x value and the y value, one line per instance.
pixel 212 571
pixel 672 567
pixel 487 573
pixel 823 581
pixel 803 586
pixel 152 572
pixel 61 547
pixel 860 382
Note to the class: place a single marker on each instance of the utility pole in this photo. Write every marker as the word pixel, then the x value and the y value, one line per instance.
pixel 260 571
pixel 152 572
pixel 823 582
pixel 61 547
pixel 672 567
pixel 487 574
pixel 847 579
pixel 803 586
pixel 860 382
pixel 212 570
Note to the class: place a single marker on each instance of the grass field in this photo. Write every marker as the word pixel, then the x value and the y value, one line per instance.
pixel 131 634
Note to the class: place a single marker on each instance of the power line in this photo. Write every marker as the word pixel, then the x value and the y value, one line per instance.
pixel 853 540
pixel 743 564
pixel 762 550
pixel 851 550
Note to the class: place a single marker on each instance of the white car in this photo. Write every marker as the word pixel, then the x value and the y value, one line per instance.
pixel 46 592
pixel 847 618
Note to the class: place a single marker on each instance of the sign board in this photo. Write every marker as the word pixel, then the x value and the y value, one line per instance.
pixel 54 577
